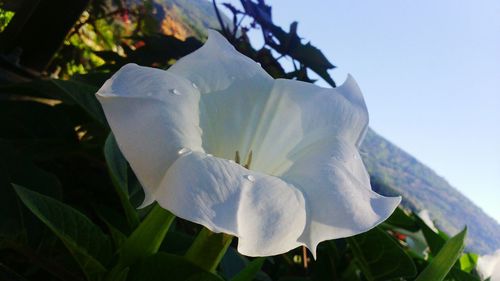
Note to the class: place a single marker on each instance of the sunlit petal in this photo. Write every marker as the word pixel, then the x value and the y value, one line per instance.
pixel 153 114
pixel 264 212
pixel 336 187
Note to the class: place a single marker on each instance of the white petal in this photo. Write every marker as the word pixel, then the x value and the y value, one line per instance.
pixel 339 200
pixel 489 266
pixel 298 115
pixel 234 90
pixel 264 212
pixel 153 114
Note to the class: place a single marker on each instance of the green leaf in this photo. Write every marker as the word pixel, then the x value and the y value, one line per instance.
pixel 325 267
pixel 16 222
pixel 118 169
pixel 89 246
pixel 434 240
pixel 458 275
pixel 468 261
pixel 208 249
pixel 115 222
pixel 83 95
pixel 231 264
pixel 380 257
pixel 249 272
pixel 163 266
pixel 439 267
pixel 400 219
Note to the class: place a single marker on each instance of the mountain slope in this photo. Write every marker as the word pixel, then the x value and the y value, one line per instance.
pixel 393 171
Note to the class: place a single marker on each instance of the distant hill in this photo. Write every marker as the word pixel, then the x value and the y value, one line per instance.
pixel 186 18
pixel 393 171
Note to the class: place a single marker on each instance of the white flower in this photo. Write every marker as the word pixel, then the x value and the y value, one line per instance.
pixel 307 182
pixel 489 266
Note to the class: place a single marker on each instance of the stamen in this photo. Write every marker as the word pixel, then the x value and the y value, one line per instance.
pixel 237 157
pixel 249 160
pixel 305 259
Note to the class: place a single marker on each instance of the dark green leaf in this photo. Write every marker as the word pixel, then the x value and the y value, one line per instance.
pixel 439 267
pixel 162 266
pixel 83 95
pixel 434 240
pixel 249 272
pixel 327 262
pixel 118 168
pixel 231 264
pixel 458 275
pixel 400 219
pixel 380 257
pixel 16 167
pixel 89 246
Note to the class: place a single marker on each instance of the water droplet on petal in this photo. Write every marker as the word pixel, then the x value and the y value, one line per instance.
pixel 184 151
pixel 175 92
pixel 209 155
pixel 231 161
pixel 249 178
pixel 194 85
pixel 356 156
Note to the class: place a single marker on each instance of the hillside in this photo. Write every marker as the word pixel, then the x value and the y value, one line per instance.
pixel 394 171
pixel 186 18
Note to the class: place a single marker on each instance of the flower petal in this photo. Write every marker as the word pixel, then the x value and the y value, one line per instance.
pixel 336 186
pixel 264 212
pixel 298 115
pixel 234 90
pixel 153 114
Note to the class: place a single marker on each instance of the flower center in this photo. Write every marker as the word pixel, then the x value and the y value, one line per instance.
pixel 237 159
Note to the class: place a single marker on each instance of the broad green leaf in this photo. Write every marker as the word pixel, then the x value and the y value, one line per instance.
pixel 439 267
pixel 118 169
pixel 208 249
pixel 380 257
pixel 90 247
pixel 16 222
pixel 163 266
pixel 468 261
pixel 83 95
pixel 249 272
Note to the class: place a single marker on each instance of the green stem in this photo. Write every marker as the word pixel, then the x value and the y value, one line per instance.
pixel 145 240
pixel 208 249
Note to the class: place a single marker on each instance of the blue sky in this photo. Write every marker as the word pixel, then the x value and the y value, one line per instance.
pixel 429 71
